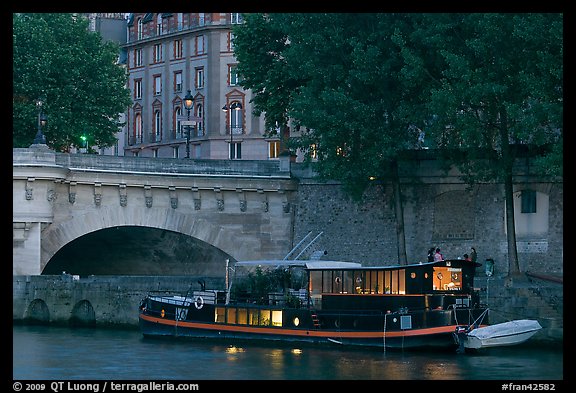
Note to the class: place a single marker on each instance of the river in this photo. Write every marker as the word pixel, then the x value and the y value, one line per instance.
pixel 62 353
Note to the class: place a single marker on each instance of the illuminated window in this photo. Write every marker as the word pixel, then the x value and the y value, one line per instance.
pixel 242 316
pixel 219 315
pixel 273 149
pixel 264 318
pixel 276 317
pixel 231 317
pixel 253 317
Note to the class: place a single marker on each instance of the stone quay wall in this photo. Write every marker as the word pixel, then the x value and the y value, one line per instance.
pixel 112 301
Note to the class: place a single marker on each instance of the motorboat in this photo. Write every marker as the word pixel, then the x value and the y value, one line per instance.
pixel 501 334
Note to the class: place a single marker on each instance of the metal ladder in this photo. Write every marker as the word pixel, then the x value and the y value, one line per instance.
pixel 302 247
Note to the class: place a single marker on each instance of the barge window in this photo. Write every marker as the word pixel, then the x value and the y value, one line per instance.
pixel 372 282
pixel 360 284
pixel 219 316
pixel 395 282
pixel 387 281
pixel 231 317
pixel 348 284
pixel 242 316
pixel 264 317
pixel 315 284
pixel 447 279
pixel 276 317
pixel 253 316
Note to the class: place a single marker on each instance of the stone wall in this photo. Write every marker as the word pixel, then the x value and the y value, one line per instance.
pixel 439 210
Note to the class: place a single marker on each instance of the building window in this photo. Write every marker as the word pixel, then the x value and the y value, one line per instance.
pixel 236 120
pixel 140 31
pixel 273 149
pixel 175 152
pixel 137 89
pixel 157 85
pixel 233 79
pixel 235 150
pixel 138 57
pixel 235 18
pixel 137 128
pixel 180 18
pixel 230 41
pixel 177 119
pixel 178 81
pixel 200 45
pixel 528 203
pixel 178 52
pixel 200 123
pixel 157 53
pixel 199 78
pixel 313 151
pixel 155 153
pixel 201 19
pixel 157 126
pixel 159 28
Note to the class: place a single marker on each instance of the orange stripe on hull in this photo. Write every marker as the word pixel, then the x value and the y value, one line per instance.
pixel 300 332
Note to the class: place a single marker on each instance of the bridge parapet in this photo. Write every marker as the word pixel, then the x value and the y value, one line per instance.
pixel 236 168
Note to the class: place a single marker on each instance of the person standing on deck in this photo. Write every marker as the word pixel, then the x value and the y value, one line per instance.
pixel 438 256
pixel 431 254
pixel 473 255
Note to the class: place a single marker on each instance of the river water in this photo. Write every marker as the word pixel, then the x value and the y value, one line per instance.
pixel 61 353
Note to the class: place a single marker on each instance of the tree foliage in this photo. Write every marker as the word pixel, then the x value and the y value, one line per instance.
pixel 492 84
pixel 481 88
pixel 335 75
pixel 76 74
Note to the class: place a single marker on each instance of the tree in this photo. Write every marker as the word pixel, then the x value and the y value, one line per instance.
pixel 335 75
pixel 491 90
pixel 76 73
pixel 366 85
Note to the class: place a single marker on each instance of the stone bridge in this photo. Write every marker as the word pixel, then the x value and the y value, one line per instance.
pixel 90 214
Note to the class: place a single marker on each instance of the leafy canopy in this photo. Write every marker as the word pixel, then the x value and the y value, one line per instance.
pixel 364 87
pixel 76 74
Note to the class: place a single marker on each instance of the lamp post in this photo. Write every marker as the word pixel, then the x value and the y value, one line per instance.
pixel 188 104
pixel 236 106
pixel 85 140
pixel 40 139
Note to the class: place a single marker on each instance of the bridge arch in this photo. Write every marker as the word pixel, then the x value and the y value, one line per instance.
pixel 59 234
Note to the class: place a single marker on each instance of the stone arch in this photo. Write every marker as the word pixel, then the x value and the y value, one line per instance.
pixel 83 314
pixel 37 312
pixel 57 235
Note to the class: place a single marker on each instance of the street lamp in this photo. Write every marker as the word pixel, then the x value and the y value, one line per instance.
pixel 188 104
pixel 40 139
pixel 85 140
pixel 236 106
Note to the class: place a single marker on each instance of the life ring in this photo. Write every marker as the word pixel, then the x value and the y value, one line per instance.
pixel 199 302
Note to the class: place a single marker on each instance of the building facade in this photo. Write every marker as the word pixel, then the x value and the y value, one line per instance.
pixel 175 56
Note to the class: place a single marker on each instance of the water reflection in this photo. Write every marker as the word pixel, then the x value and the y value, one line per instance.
pixel 62 353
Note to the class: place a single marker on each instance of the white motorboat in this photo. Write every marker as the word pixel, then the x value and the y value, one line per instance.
pixel 502 334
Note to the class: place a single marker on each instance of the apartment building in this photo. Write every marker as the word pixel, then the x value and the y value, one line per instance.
pixel 187 100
